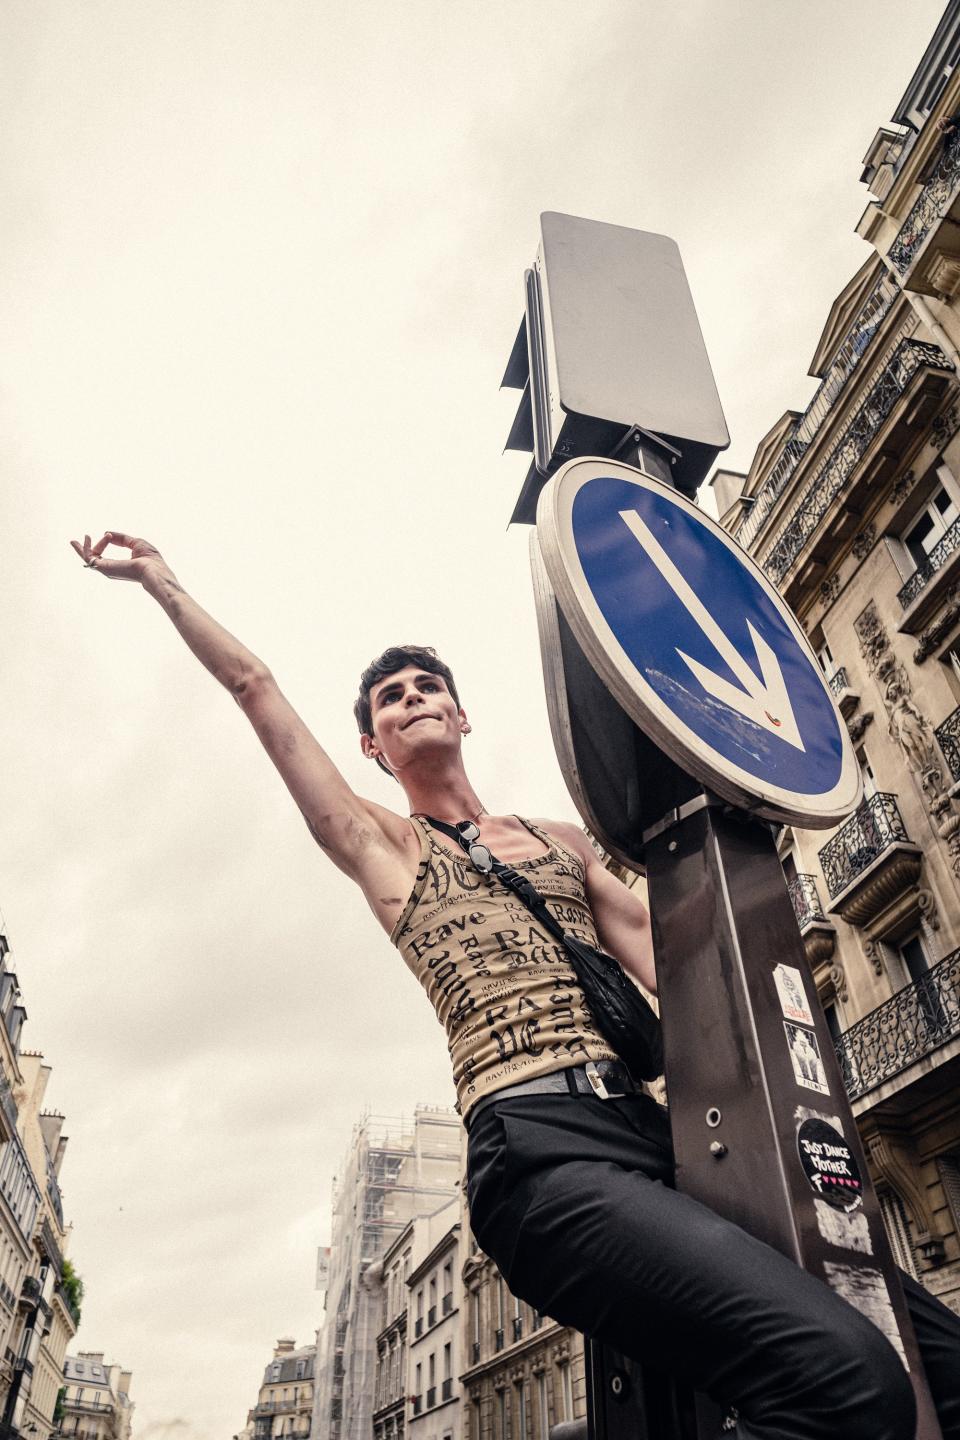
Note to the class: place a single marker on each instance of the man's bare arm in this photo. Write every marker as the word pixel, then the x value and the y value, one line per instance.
pixel 345 825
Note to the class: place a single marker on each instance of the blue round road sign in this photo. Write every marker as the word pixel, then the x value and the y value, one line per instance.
pixel 695 643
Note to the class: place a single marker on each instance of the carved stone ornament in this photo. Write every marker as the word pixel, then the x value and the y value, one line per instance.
pixel 830 589
pixel 931 637
pixel 839 981
pixel 894 1156
pixel 858 724
pixel 945 426
pixel 903 486
pixel 909 727
pixel 874 953
pixel 927 906
pixel 871 634
pixel 894 877
pixel 865 541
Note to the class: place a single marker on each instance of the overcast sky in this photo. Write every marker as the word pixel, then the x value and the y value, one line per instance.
pixel 261 271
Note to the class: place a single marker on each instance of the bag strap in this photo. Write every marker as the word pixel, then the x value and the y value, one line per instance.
pixel 519 884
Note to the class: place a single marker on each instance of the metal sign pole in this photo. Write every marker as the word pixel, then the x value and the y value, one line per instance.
pixel 762 1128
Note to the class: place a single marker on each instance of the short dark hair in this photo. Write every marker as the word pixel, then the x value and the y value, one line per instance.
pixel 397 657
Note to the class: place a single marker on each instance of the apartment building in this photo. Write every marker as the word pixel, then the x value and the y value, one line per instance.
pixel 37 1318
pixel 852 508
pixel 394 1171
pixel 285 1403
pixel 524 1372
pixel 96 1403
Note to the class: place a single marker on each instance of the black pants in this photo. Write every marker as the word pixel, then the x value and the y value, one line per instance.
pixel 571 1197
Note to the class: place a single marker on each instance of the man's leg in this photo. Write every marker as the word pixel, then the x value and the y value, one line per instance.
pixel 590 1240
pixel 938 1335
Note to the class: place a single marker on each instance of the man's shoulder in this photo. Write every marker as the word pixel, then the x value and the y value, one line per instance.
pixel 574 837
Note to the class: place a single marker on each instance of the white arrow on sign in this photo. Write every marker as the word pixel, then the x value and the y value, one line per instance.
pixel 764 701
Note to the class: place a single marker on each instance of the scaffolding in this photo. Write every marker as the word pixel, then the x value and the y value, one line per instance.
pixel 394 1170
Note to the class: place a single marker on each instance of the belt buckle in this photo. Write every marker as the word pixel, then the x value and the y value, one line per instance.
pixel 595 1080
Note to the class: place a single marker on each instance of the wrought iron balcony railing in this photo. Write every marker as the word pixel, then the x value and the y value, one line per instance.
pixel 838 681
pixel 431 1396
pixel 475 1351
pixel 854 346
pixel 446 1389
pixel 845 455
pixel 935 561
pixel 871 829
pixel 933 203
pixel 806 900
pixel 906 1027
pixel 948 738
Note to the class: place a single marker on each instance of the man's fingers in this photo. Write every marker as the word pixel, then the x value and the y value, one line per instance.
pixel 101 545
pixel 117 537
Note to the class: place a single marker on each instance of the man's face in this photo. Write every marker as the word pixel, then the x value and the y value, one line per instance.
pixel 412 713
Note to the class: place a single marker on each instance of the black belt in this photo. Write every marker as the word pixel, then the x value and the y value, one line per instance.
pixel 606 1079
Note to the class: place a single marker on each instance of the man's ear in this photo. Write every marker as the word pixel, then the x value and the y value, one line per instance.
pixel 465 726
pixel 372 751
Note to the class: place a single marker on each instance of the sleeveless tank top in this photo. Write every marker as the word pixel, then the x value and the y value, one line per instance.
pixel 503 989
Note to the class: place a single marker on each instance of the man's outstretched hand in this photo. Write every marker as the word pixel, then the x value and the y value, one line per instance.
pixel 143 557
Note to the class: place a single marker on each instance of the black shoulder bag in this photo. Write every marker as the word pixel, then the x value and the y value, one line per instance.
pixel 620 1012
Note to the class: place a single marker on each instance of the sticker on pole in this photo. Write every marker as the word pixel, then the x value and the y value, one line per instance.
pixel 829 1165
pixel 695 643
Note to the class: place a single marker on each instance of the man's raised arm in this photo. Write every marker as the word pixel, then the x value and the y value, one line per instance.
pixel 341 822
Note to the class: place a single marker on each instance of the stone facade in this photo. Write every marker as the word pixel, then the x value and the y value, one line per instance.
pixel 852 508
pixel 524 1373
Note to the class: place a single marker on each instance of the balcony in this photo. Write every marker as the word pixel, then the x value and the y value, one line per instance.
pixel 831 387
pixel 448 1302
pixel 819 934
pixel 432 1316
pixel 446 1389
pixel 909 1026
pixel 431 1397
pixel 926 252
pixel 475 1351
pixel 948 738
pixel 417 1404
pixel 870 863
pixel 517 1327
pixel 922 593
pixel 418 1326
pixel 893 413
pixel 30 1293
pixel 498 1340
pixel 843 692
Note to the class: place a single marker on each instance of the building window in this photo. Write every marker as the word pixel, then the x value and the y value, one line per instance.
pixel 928 528
pixel 543 1412
pixel 521 1411
pixel 502 1415
pixel 566 1390
pixel 913 958
pixel 898 1231
pixel 866 770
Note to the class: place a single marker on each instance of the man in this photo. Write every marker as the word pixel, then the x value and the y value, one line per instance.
pixel 569 1168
